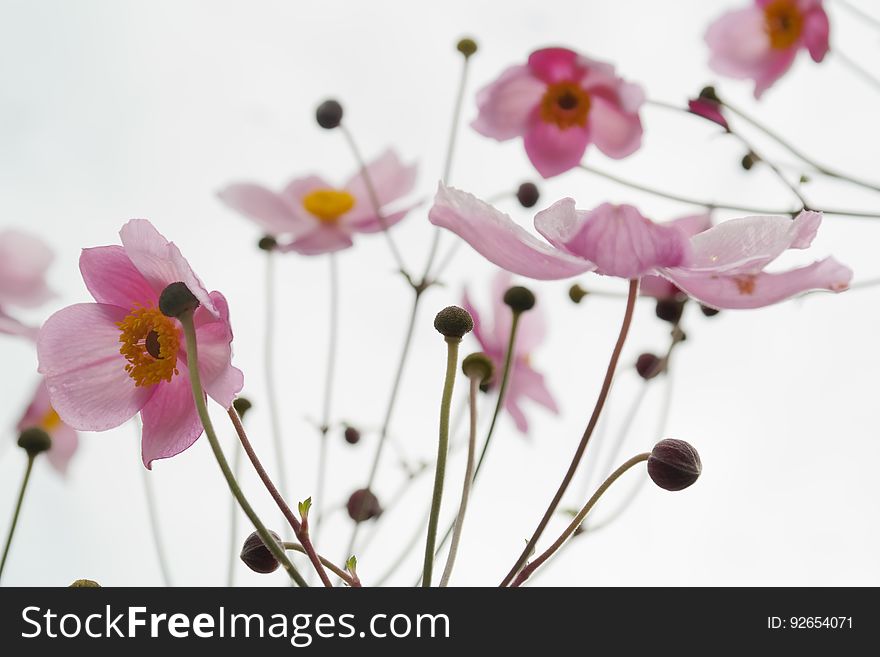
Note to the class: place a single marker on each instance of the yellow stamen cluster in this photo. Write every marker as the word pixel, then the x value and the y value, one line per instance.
pixel 783 22
pixel 328 204
pixel 139 333
pixel 50 420
pixel 566 104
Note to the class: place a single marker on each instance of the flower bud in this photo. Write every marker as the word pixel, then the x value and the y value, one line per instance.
pixel 519 298
pixel 576 293
pixel 329 114
pixel 749 160
pixel 177 300
pixel 528 194
pixel 454 322
pixel 670 310
pixel 352 436
pixel 479 366
pixel 674 464
pixel 267 243
pixel 708 311
pixel 34 440
pixel 257 556
pixel 708 93
pixel 466 47
pixel 648 366
pixel 84 584
pixel 363 505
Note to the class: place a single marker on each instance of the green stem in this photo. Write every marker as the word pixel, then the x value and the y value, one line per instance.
pixel 24 483
pixel 442 448
pixel 195 379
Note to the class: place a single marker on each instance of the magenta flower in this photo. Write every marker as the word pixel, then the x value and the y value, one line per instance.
pixel 708 109
pixel 312 217
pixel 24 260
pixel 722 267
pixel 761 42
pixel 106 361
pixel 40 414
pixel 560 102
pixel 523 381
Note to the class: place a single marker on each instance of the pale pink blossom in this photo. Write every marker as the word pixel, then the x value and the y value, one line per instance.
pixel 40 414
pixel 24 260
pixel 559 102
pixel 104 362
pixel 761 42
pixel 310 216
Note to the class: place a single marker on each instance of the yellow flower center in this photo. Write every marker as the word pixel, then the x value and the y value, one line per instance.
pixel 328 204
pixel 566 104
pixel 783 22
pixel 150 342
pixel 50 420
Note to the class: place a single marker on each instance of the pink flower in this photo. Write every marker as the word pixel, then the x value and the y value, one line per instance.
pixel 560 102
pixel 523 380
pixel 64 438
pixel 722 267
pixel 761 41
pixel 312 217
pixel 24 260
pixel 106 361
pixel 708 109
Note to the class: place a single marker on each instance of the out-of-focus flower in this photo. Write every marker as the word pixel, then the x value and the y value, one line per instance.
pixel 761 42
pixel 722 267
pixel 311 217
pixel 24 260
pixel 40 414
pixel 524 382
pixel 559 102
pixel 106 361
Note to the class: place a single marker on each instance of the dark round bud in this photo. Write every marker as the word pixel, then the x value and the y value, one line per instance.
pixel 708 311
pixel 486 386
pixel 749 160
pixel 708 93
pixel 352 436
pixel 34 440
pixel 528 194
pixel 84 584
pixel 576 293
pixel 267 243
pixel 670 310
pixel 478 365
pixel 674 464
pixel 519 298
pixel 466 47
pixel 176 300
pixel 648 366
pixel 363 505
pixel 454 322
pixel 241 405
pixel 329 114
pixel 257 556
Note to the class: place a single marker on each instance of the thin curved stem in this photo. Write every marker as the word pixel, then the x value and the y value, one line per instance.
pixel 332 567
pixel 442 449
pixel 405 550
pixel 578 519
pixel 269 372
pixel 868 18
pixel 198 392
pixel 466 486
pixel 588 432
pixel 17 512
pixel 153 517
pixel 857 68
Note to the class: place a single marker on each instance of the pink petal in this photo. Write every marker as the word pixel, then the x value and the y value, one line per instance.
pixel 273 213
pixel 506 104
pixel 762 289
pixel 709 110
pixel 37 409
pixel 486 341
pixel 555 65
pixel 323 239
pixel 739 43
pixel 560 223
pixel 750 243
pixel 302 221
pixel 11 326
pixel 615 132
pixel 531 384
pixel 776 65
pixel 391 181
pixel 501 313
pixel 112 278
pixel 171 422
pixel 657 287
pixel 65 441
pixel 160 261
pixel 553 150
pixel 24 260
pixel 370 223
pixel 692 224
pixel 220 379
pixel 78 351
pixel 816 32
pixel 497 238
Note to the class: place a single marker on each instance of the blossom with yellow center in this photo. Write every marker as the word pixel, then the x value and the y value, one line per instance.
pixel 150 342
pixel 783 22
pixel 328 205
pixel 566 104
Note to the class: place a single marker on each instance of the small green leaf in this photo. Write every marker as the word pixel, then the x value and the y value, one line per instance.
pixel 304 507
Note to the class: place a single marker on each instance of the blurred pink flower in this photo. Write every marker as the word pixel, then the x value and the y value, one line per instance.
pixel 722 267
pixel 64 438
pixel 24 260
pixel 560 102
pixel 106 361
pixel 311 217
pixel 523 381
pixel 761 42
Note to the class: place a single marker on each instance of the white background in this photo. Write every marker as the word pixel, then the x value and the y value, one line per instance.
pixel 113 110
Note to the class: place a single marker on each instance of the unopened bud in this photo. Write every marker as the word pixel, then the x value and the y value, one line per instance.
pixel 329 114
pixel 363 505
pixel 176 300
pixel 674 464
pixel 241 405
pixel 257 556
pixel 466 47
pixel 528 194
pixel 478 365
pixel 34 441
pixel 267 243
pixel 648 366
pixel 352 436
pixel 670 310
pixel 454 322
pixel 520 299
pixel 576 293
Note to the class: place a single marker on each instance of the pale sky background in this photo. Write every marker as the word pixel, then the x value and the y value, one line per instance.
pixel 112 110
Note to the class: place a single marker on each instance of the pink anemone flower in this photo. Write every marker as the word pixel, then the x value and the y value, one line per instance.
pixel 524 382
pixel 311 217
pixel 24 260
pixel 104 362
pixel 40 414
pixel 559 102
pixel 761 42
pixel 722 267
